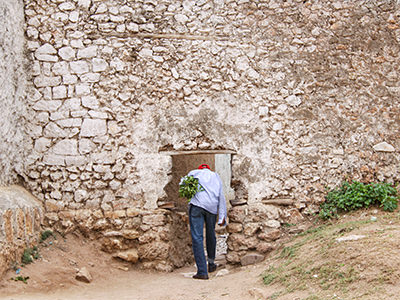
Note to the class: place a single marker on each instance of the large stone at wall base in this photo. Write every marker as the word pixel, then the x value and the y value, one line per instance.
pixel 162 266
pixel 233 257
pixel 251 259
pixel 154 250
pixel 130 255
pixel 21 217
pixel 270 234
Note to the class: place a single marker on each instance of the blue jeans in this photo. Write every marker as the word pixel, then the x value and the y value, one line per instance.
pixel 197 218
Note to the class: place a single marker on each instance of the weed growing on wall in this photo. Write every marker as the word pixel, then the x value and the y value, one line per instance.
pixel 46 234
pixel 356 195
pixel 29 255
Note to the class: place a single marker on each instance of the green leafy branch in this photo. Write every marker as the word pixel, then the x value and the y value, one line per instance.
pixel 189 186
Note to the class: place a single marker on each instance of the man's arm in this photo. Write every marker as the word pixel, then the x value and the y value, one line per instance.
pixel 221 206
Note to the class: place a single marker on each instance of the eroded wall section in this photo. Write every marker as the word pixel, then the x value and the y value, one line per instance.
pixel 12 91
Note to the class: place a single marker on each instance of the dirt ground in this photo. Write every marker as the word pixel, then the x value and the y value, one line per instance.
pixel 314 265
pixel 53 277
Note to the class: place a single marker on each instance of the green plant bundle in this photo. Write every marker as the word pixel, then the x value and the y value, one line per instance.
pixel 356 195
pixel 189 186
pixel 29 255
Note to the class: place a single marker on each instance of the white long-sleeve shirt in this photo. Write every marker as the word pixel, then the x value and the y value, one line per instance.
pixel 212 198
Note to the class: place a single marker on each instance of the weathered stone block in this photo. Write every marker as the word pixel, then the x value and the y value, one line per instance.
pixel 99 65
pixel 261 212
pixel 84 275
pixel 118 214
pixel 154 220
pixel 237 242
pixel 88 52
pixel 47 81
pixel 66 147
pixel 233 257
pixel 79 196
pixel 272 224
pixel 90 102
pixel 132 222
pixel 384 147
pixel 251 229
pixel 47 105
pixel 42 144
pixel 251 259
pixel 101 224
pixel 51 216
pixel 61 68
pixel 93 127
pixel 53 206
pixel 60 92
pixel 265 247
pixel 90 77
pixel 153 251
pixel 98 114
pixel 130 234
pixel 67 214
pixel 234 227
pixel 270 234
pixel 53 160
pixel 52 130
pixel 75 160
pixel 46 53
pixel 69 79
pixel 148 237
pixel 79 67
pixel 130 255
pixel 237 214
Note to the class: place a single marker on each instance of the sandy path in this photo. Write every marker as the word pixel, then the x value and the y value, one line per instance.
pixel 140 285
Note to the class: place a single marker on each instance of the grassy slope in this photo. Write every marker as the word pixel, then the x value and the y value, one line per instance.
pixel 314 266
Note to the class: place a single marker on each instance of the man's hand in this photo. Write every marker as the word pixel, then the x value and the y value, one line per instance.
pixel 222 223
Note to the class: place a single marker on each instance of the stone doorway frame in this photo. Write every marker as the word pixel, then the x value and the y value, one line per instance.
pixel 220 161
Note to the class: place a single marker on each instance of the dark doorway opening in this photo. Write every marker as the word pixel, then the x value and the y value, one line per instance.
pixel 185 161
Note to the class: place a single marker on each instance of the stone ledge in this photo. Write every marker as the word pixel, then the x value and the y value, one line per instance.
pixel 21 216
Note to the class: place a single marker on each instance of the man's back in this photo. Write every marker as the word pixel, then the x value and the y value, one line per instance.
pixel 212 197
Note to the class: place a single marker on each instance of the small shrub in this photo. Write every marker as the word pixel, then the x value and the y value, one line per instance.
pixel 29 255
pixel 356 195
pixel 21 278
pixel 46 234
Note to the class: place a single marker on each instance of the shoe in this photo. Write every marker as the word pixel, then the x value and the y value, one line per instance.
pixel 212 268
pixel 197 276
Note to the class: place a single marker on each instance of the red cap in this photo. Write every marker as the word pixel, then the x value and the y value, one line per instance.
pixel 204 166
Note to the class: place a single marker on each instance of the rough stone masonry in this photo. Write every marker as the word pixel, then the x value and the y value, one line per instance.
pixel 304 92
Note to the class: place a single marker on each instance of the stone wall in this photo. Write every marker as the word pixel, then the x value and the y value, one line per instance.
pixel 13 141
pixel 304 92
